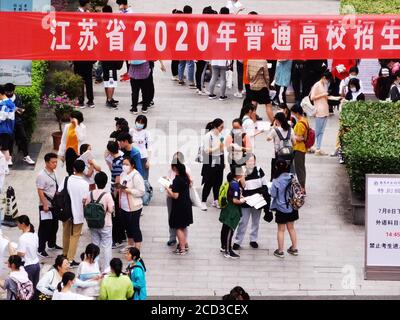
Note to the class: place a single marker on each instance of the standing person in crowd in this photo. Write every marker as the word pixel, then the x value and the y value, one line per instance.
pixel 319 95
pixel 7 124
pixel 28 244
pixel 19 129
pixel 141 140
pixel 46 183
pixel 313 71
pixel 395 88
pixel 152 90
pixel 219 68
pixel 282 80
pixel 85 69
pixel 131 190
pixel 285 215
pixel 231 214
pixel 136 270
pixel 74 135
pixel 103 237
pixel 64 287
pixel 78 190
pixel 89 271
pixel 48 283
pixel 116 286
pixel 354 91
pixel 121 126
pixel 353 74
pixel 301 134
pixel 248 115
pixel 282 135
pixel 17 273
pixel 340 71
pixel 235 6
pixel 118 232
pixel 91 166
pixel 139 73
pixel 126 145
pixel 298 80
pixel 214 162
pixel 383 84
pixel 175 63
pixel 255 183
pixel 181 210
pixel 190 63
pixel 239 69
pixel 125 9
pixel 84 6
pixel 288 114
pixel 258 75
pixel 237 144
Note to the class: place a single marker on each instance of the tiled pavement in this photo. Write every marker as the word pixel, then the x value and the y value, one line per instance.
pixel 331 248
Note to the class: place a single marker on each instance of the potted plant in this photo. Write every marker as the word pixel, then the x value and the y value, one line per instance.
pixel 62 107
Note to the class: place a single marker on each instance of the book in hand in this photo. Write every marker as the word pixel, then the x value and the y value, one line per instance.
pixel 86 157
pixel 256 201
pixel 165 182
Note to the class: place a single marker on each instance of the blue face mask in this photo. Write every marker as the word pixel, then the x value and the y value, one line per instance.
pixel 139 126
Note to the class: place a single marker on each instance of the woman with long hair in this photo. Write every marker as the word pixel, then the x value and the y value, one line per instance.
pixel 136 270
pixel 64 287
pixel 116 286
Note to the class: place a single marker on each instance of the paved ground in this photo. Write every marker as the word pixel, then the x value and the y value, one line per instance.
pixel 331 248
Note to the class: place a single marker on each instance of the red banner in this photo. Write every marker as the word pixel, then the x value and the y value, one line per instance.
pixel 98 36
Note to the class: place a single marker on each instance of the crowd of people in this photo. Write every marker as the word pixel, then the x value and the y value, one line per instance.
pixel 113 216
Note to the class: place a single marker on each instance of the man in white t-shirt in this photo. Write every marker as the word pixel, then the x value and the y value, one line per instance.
pixel 78 190
pixel 234 6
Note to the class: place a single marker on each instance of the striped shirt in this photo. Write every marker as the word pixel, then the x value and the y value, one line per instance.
pixel 116 170
pixel 256 182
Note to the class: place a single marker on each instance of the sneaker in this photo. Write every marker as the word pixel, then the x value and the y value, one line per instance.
pixel 43 254
pixel 216 204
pixel 114 101
pixel 293 252
pixel 181 82
pixel 311 150
pixel 151 104
pixel 28 160
pixel 56 247
pixel 192 85
pixel 335 153
pixel 111 104
pixel 134 110
pixel 73 264
pixel 223 250
pixel 171 243
pixel 238 95
pixel 91 104
pixel 231 255
pixel 254 245
pixel 223 98
pixel 341 160
pixel 236 246
pixel 116 245
pixel 144 109
pixel 9 162
pixel 203 206
pixel 212 96
pixel 279 254
pixel 199 92
pixel 320 153
pixel 175 78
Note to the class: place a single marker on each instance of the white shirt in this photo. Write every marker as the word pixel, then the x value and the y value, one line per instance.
pixel 86 272
pixel 28 244
pixel 212 141
pixel 344 85
pixel 219 63
pixel 249 128
pixel 129 10
pixel 69 296
pixel 78 190
pixel 234 6
pixel 141 140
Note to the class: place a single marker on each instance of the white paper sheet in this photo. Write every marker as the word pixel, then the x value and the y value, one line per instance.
pixel 46 215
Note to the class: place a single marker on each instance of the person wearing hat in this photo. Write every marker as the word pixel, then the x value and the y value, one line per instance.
pixel 19 129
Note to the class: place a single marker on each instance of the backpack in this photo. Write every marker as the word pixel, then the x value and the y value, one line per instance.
pixel 223 195
pixel 286 151
pixel 62 203
pixel 95 213
pixel 25 290
pixel 296 196
pixel 310 140
pixel 148 193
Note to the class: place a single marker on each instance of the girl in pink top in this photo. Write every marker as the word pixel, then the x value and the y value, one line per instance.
pixel 319 95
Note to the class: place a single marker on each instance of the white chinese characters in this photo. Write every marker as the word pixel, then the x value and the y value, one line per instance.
pixel 335 36
pixel 87 39
pixel 53 30
pixel 389 33
pixel 116 34
pixel 309 39
pixel 364 36
pixel 225 32
pixel 254 32
pixel 282 34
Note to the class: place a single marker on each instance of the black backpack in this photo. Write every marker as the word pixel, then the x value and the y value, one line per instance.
pixel 95 213
pixel 62 203
pixel 286 151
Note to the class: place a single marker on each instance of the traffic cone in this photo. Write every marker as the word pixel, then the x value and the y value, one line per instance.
pixel 11 210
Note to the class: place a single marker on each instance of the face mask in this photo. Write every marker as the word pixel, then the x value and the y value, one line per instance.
pixel 126 168
pixel 139 126
pixel 353 89
pixel 236 131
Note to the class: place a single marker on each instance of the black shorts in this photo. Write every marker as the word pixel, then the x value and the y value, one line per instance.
pixel 6 141
pixel 260 96
pixel 106 74
pixel 131 221
pixel 283 218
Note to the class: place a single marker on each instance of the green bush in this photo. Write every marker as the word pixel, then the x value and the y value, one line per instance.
pixel 370 139
pixel 31 96
pixel 373 6
pixel 67 82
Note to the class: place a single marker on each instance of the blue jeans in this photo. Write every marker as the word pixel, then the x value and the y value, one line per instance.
pixel 181 70
pixel 320 124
